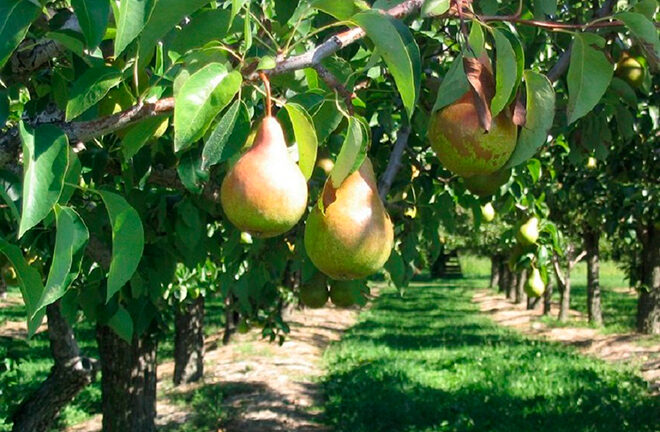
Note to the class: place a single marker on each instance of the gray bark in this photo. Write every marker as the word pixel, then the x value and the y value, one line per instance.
pixel 189 342
pixel 594 309
pixel 648 306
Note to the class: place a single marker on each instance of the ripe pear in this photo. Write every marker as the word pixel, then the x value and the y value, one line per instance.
pixel 314 293
pixel 528 232
pixel 349 234
pixel 488 212
pixel 591 162
pixel 463 146
pixel 535 287
pixel 265 193
pixel 489 184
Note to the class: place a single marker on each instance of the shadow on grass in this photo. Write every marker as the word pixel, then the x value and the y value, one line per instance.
pixel 431 362
pixel 220 406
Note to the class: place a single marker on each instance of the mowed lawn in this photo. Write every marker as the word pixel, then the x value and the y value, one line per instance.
pixel 429 361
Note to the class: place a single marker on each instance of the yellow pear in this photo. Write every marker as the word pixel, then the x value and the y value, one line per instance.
pixel 535 287
pixel 349 234
pixel 488 212
pixel 265 193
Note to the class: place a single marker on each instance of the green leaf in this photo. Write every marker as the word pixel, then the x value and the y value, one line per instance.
pixel 247 29
pixel 133 16
pixel 45 160
pixel 203 28
pixel 545 8
pixel 534 168
pixel 70 242
pixel 4 108
pixel 71 178
pixel 127 240
pixel 540 115
pixel 122 324
pixel 93 19
pixel 137 136
pixel 165 16
pixel 29 281
pixel 476 38
pixel 303 129
pixel 15 19
pixel 342 10
pixel 190 171
pixel 326 120
pixel 90 88
pixel 519 51
pixel 266 62
pixel 397 269
pixel 505 81
pixel 434 7
pixel 352 154
pixel 284 10
pixel 200 99
pixel 453 85
pixel 399 50
pixel 228 137
pixel 589 75
pixel 643 29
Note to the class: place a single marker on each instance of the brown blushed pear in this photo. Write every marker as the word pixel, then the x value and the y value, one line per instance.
pixel 349 234
pixel 265 193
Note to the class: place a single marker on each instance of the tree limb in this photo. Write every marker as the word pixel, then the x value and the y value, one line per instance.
pixel 394 164
pixel 558 272
pixel 577 259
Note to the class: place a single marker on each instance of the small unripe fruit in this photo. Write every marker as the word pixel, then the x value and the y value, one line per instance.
pixel 631 71
pixel 535 287
pixel 488 212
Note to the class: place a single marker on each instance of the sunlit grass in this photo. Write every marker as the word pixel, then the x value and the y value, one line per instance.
pixel 431 362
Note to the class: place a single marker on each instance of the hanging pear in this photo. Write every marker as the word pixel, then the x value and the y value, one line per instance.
pixel 265 193
pixel 535 287
pixel 349 234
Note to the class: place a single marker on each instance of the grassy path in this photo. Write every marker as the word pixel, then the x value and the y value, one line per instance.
pixel 432 362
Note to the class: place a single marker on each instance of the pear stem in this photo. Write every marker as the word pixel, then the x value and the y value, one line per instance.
pixel 264 78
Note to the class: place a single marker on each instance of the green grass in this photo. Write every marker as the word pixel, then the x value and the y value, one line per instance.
pixel 432 362
pixel 31 363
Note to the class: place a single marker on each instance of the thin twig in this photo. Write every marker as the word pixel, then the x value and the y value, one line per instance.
pixel 336 85
pixel 394 164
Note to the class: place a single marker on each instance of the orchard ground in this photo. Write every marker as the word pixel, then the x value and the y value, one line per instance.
pixel 428 361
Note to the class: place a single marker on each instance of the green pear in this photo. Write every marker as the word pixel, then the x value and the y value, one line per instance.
pixel 348 234
pixel 528 232
pixel 463 146
pixel 535 287
pixel 489 184
pixel 592 162
pixel 314 293
pixel 265 193
pixel 341 294
pixel 488 212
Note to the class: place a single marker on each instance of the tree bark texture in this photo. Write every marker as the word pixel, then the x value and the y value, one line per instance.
pixel 564 295
pixel 504 277
pixel 495 267
pixel 513 284
pixel 128 382
pixel 189 342
pixel 521 297
pixel 594 309
pixel 648 306
pixel 69 375
pixel 547 298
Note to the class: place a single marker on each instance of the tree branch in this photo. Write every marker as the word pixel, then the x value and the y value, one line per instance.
pixel 394 164
pixel 572 263
pixel 558 272
pixel 334 84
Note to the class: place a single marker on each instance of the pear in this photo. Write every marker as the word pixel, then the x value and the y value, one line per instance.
pixel 341 294
pixel 463 146
pixel 489 184
pixel 488 212
pixel 528 232
pixel 535 287
pixel 314 293
pixel 349 234
pixel 265 193
pixel 592 163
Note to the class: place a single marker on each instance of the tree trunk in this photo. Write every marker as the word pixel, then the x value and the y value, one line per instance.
pixel 495 267
pixel 521 297
pixel 547 298
pixel 231 319
pixel 189 342
pixel 565 295
pixel 504 277
pixel 533 302
pixel 128 382
pixel 69 375
pixel 648 307
pixel 594 309
pixel 513 284
pixel 3 287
